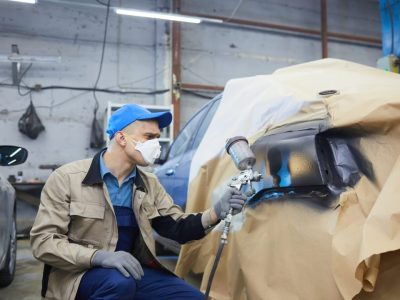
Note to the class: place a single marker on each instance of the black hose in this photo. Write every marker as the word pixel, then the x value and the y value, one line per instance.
pixel 224 240
pixel 214 268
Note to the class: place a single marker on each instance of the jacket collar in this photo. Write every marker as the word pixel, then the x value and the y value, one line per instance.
pixel 93 175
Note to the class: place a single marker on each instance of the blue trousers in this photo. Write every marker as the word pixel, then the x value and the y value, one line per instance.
pixel 107 284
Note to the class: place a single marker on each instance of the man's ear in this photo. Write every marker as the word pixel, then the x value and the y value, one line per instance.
pixel 120 138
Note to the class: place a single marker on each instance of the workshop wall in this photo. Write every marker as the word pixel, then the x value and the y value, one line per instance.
pixel 213 54
pixel 137 57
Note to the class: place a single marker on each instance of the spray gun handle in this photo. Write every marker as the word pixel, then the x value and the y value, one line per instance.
pixel 227 225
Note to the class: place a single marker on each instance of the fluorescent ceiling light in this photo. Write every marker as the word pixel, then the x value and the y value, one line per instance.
pixel 157 15
pixel 25 1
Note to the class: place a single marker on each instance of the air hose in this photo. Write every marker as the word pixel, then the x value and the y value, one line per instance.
pixel 244 159
pixel 223 242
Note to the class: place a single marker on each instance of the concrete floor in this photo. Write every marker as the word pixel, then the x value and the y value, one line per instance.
pixel 28 277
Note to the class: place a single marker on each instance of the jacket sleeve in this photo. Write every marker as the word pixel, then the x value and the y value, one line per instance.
pixel 173 223
pixel 183 230
pixel 49 240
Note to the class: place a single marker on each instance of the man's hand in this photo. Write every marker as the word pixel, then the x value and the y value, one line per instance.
pixel 121 260
pixel 232 197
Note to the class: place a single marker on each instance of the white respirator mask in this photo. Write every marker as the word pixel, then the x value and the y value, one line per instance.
pixel 150 150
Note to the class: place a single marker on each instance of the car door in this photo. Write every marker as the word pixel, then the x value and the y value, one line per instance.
pixel 5 202
pixel 174 173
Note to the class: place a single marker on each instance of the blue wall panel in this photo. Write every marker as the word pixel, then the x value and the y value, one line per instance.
pixel 390 17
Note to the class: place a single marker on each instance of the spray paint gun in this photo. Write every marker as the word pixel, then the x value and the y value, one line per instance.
pixel 244 159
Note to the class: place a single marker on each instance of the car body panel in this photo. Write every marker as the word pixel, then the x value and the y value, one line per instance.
pixel 7 203
pixel 9 156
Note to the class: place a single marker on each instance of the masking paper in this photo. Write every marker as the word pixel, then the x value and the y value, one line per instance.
pixel 295 248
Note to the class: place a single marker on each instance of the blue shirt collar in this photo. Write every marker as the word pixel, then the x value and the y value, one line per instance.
pixel 104 170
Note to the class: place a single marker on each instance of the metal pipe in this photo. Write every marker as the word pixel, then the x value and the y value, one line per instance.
pixel 291 29
pixel 324 29
pixel 176 69
pixel 201 87
pixel 355 38
pixel 256 23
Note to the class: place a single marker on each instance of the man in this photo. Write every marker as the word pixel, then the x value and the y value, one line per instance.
pixel 94 226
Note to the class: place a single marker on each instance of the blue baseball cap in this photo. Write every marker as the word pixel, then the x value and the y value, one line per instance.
pixel 130 113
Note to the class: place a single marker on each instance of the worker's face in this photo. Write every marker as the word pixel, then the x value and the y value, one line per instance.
pixel 139 131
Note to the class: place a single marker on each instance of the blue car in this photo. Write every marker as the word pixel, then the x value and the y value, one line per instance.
pixel 175 166
pixel 174 171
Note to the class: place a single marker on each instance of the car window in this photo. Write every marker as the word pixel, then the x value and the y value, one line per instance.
pixel 187 134
pixel 206 122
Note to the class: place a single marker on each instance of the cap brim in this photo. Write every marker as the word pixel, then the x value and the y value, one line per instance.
pixel 163 118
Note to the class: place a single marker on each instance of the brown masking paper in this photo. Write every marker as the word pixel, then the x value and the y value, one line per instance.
pixel 293 248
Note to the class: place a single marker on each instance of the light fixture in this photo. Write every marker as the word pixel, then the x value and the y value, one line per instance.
pixel 157 15
pixel 25 1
